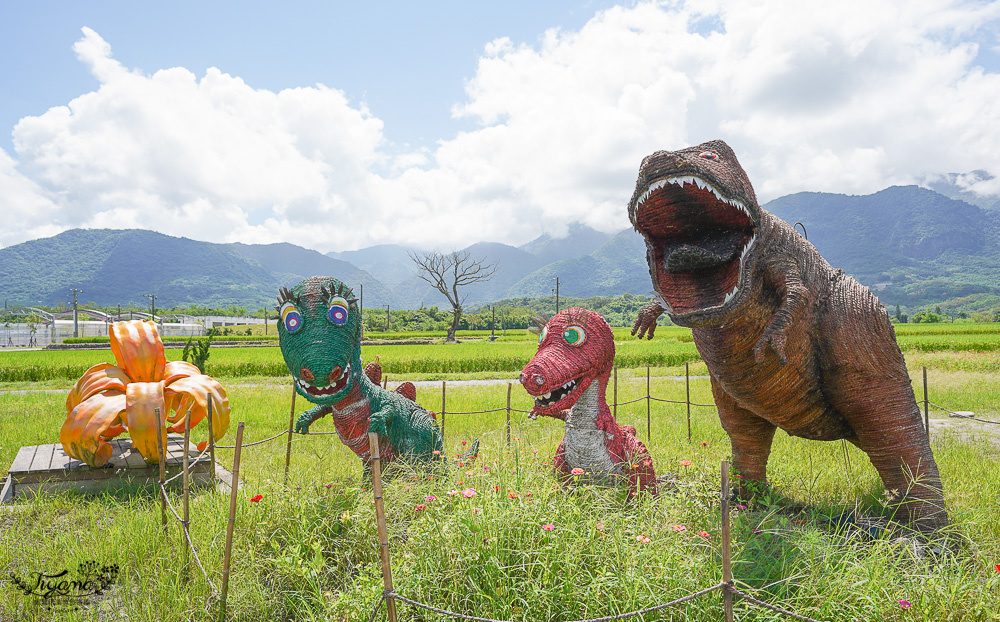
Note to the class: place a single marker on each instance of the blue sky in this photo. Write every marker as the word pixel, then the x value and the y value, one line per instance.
pixel 406 60
pixel 337 126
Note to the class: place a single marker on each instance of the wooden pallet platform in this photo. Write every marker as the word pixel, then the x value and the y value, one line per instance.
pixel 47 468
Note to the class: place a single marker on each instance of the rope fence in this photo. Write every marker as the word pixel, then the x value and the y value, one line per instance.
pixel 389 596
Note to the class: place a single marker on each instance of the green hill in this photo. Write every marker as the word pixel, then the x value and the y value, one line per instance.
pixel 119 267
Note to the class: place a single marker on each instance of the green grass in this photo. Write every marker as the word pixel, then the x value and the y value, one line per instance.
pixel 310 552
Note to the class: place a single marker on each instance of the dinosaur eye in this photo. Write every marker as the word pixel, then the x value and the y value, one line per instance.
pixel 709 155
pixel 291 317
pixel 575 336
pixel 338 311
pixel 543 334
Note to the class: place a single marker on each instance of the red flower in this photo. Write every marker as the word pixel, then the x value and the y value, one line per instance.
pixel 256 498
pixel 513 495
pixel 704 534
pixel 420 506
pixel 998 567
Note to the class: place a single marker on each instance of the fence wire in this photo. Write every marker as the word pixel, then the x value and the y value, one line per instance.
pixel 394 596
pixel 958 415
pixel 187 538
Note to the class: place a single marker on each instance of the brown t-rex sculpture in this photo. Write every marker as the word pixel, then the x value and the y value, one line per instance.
pixel 789 341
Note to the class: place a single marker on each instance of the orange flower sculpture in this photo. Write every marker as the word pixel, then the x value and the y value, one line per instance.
pixel 109 399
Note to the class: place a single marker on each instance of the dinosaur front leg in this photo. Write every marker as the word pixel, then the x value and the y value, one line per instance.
pixel 305 419
pixel 750 435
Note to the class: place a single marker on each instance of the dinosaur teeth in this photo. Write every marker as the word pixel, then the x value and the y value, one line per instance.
pixel 691 180
pixel 554 396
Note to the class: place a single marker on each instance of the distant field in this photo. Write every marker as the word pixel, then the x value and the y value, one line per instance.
pixel 965 347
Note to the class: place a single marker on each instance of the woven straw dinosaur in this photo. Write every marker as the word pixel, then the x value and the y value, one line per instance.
pixel 789 341
pixel 319 329
pixel 568 377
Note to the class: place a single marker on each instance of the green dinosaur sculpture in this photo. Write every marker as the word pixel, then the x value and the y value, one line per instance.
pixel 319 330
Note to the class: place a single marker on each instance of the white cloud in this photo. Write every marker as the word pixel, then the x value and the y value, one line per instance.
pixel 844 97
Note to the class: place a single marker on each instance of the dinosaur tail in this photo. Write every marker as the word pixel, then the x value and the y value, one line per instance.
pixel 471 454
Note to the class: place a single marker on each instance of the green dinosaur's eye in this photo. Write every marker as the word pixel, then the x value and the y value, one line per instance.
pixel 291 317
pixel 543 334
pixel 575 336
pixel 338 311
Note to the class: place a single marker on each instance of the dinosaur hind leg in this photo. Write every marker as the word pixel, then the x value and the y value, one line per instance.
pixel 750 435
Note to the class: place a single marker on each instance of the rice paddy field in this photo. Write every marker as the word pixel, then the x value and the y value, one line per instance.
pixel 498 537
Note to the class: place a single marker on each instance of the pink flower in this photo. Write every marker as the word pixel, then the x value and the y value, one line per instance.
pixel 437 452
pixel 600 526
pixel 704 444
pixel 476 511
pixel 704 534
pixel 468 472
pixel 430 498
pixel 685 463
pixel 256 498
pixel 452 493
pixel 577 471
pixel 528 494
pixel 904 604
pixel 548 527
pixel 647 462
pixel 486 468
pixel 329 485
pixel 643 538
pixel 679 527
pixel 469 492
pixel 420 506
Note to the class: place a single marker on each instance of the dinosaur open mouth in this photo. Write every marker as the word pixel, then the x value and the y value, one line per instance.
pixel 555 395
pixel 696 241
pixel 330 389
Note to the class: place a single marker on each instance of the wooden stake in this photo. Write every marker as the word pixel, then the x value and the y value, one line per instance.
pixel 615 410
pixel 184 525
pixel 508 415
pixel 234 490
pixel 727 569
pixel 927 416
pixel 163 465
pixel 383 534
pixel 687 385
pixel 443 383
pixel 288 444
pixel 649 428
pixel 211 439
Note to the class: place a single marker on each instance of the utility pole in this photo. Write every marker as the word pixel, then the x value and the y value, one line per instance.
pixel 387 318
pixel 557 294
pixel 493 324
pixel 361 309
pixel 152 306
pixel 76 317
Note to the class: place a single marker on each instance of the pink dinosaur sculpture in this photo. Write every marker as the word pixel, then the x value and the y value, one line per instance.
pixel 568 377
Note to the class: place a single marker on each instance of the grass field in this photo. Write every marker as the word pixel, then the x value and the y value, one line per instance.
pixel 309 551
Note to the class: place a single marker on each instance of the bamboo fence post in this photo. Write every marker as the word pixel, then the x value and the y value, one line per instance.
pixel 443 402
pixel 616 392
pixel 687 389
pixel 507 429
pixel 383 535
pixel 211 440
pixel 187 488
pixel 234 490
pixel 288 444
pixel 385 382
pixel 161 449
pixel 727 569
pixel 927 416
pixel 649 429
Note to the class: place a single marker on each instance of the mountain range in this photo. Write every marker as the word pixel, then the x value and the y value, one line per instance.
pixel 912 245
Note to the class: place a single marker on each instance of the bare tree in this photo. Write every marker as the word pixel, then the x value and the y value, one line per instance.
pixel 448 272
